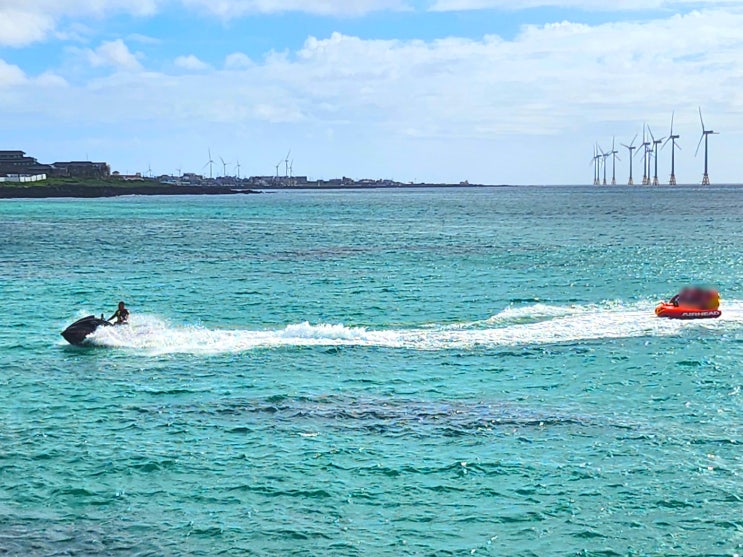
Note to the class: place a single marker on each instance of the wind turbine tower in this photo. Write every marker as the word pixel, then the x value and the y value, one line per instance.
pixel 613 163
pixel 705 135
pixel 237 165
pixel 604 156
pixel 278 164
pixel 672 138
pixel 645 160
pixel 286 162
pixel 596 165
pixel 656 142
pixel 210 163
pixel 224 167
pixel 631 147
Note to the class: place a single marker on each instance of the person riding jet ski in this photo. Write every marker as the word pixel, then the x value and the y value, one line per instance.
pixel 121 315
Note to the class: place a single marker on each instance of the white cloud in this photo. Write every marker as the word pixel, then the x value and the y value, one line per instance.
pixel 51 79
pixel 235 8
pixel 23 22
pixel 191 63
pixel 11 75
pixel 587 5
pixel 238 60
pixel 19 27
pixel 115 54
pixel 142 39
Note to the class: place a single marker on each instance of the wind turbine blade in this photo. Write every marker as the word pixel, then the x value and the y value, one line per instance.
pixel 651 133
pixel 676 145
pixel 672 115
pixel 665 142
pixel 699 145
pixel 701 119
pixel 633 141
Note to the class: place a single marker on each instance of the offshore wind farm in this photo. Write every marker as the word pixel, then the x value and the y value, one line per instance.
pixel 651 149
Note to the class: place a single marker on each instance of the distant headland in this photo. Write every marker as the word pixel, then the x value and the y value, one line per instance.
pixel 22 176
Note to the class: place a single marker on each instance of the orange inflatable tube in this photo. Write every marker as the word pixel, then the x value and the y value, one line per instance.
pixel 681 312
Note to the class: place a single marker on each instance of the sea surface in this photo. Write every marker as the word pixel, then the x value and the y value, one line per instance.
pixel 376 373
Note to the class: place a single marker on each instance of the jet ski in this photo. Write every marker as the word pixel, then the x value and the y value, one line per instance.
pixel 80 329
pixel 691 303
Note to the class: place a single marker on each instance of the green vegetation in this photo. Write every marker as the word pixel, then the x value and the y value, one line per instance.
pixel 57 182
pixel 97 182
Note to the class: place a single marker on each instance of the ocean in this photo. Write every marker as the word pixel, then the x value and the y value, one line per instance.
pixel 465 371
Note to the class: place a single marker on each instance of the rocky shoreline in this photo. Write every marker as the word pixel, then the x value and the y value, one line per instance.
pixel 113 190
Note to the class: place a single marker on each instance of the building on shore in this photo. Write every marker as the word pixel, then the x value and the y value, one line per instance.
pixel 81 169
pixel 17 163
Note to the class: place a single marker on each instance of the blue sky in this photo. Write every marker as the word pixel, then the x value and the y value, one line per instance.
pixel 490 91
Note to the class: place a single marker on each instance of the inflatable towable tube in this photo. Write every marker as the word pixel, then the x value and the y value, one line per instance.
pixel 679 312
pixel 691 303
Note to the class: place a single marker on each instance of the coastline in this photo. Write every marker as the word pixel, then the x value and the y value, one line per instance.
pixel 113 190
pixel 81 190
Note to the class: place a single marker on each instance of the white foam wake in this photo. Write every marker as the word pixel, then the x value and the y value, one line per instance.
pixel 528 325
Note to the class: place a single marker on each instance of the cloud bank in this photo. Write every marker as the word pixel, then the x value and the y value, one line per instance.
pixel 447 103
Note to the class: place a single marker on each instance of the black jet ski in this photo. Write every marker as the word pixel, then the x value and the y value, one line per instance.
pixel 79 330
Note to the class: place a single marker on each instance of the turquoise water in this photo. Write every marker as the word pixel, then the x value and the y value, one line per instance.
pixel 409 372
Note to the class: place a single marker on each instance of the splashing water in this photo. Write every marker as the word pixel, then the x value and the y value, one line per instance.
pixel 537 324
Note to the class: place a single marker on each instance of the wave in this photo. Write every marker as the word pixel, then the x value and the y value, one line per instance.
pixel 537 324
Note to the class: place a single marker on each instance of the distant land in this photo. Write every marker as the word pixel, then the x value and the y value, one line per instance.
pixel 23 176
pixel 100 188
pixel 113 187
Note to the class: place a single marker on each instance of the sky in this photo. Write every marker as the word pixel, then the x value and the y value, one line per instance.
pixel 488 91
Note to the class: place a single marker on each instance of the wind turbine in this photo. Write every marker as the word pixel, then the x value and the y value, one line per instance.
pixel 705 135
pixel 604 156
pixel 613 163
pixel 595 162
pixel 672 138
pixel 209 164
pixel 286 162
pixel 656 142
pixel 237 165
pixel 645 161
pixel 224 167
pixel 631 147
pixel 278 164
